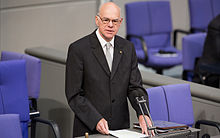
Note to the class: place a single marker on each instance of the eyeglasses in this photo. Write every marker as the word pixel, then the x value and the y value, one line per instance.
pixel 107 20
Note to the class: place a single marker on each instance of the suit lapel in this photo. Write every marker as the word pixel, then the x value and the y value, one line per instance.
pixel 118 52
pixel 98 52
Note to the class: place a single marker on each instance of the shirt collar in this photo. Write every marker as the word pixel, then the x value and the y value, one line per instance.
pixel 102 41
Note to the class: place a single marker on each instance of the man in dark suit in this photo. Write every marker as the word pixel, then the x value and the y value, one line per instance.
pixel 101 72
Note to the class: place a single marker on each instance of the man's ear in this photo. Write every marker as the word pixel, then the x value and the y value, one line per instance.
pixel 120 21
pixel 96 21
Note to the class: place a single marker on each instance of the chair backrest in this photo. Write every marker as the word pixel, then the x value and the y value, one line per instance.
pixel 151 20
pixel 202 12
pixel 192 48
pixel 13 91
pixel 33 71
pixel 171 103
pixel 10 126
pixel 157 103
pixel 179 103
pixel 216 7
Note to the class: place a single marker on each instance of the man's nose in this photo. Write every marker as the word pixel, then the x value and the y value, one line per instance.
pixel 110 24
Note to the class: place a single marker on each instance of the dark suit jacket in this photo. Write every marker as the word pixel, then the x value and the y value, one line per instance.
pixel 210 56
pixel 211 50
pixel 93 92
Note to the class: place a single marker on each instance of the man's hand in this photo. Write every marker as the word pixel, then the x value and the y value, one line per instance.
pixel 144 126
pixel 102 126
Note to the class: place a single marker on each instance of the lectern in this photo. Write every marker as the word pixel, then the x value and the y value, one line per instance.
pixel 189 133
pixel 174 133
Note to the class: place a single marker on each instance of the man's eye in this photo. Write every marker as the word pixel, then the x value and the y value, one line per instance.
pixel 106 20
pixel 114 21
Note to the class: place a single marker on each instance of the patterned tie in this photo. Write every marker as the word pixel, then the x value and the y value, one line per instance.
pixel 108 55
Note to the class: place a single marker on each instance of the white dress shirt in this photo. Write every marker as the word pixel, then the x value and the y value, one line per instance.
pixel 103 43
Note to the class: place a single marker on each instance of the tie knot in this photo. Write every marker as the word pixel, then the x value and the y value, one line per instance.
pixel 108 45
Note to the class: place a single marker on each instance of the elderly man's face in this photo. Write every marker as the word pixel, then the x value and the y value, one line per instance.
pixel 108 22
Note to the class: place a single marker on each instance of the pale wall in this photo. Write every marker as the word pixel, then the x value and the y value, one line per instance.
pixel 51 23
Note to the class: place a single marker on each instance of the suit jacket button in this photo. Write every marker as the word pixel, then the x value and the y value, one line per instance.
pixel 113 100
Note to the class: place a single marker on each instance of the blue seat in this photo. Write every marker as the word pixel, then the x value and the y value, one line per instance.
pixel 192 49
pixel 33 71
pixel 10 126
pixel 149 27
pixel 179 103
pixel 201 13
pixel 171 103
pixel 33 74
pixel 14 91
pixel 14 95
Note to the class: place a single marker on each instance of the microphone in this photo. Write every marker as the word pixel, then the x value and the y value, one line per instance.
pixel 141 100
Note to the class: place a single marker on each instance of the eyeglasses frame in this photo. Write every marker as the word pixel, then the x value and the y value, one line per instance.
pixel 107 21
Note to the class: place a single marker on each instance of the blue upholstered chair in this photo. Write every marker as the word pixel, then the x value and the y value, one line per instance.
pixel 32 82
pixel 33 73
pixel 10 126
pixel 13 91
pixel 149 27
pixel 192 49
pixel 171 103
pixel 179 103
pixel 201 13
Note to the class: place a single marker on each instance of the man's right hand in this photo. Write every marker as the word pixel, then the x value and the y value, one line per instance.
pixel 102 126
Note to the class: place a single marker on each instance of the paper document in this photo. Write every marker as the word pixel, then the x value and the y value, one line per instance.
pixel 124 133
pixel 166 55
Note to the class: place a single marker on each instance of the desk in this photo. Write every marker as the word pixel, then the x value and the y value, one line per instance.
pixel 190 133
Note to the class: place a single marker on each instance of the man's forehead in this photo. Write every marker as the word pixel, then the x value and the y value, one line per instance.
pixel 110 14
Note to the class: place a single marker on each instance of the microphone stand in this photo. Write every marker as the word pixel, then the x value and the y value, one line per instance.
pixel 142 100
